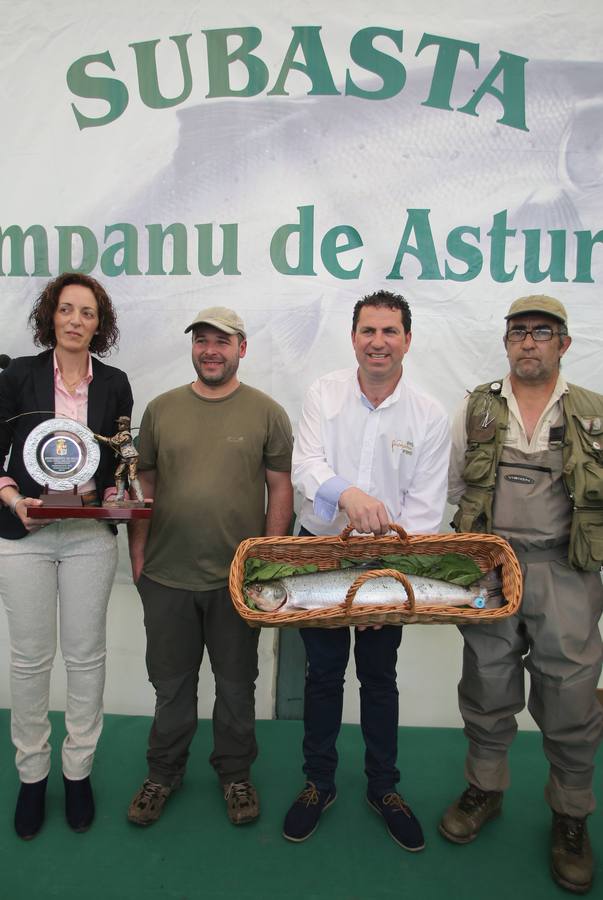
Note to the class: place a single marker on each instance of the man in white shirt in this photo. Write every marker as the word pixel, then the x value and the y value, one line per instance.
pixel 527 463
pixel 371 449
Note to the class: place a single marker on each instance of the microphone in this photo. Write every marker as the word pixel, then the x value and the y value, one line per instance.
pixel 4 360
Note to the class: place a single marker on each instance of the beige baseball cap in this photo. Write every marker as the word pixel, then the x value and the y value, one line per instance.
pixel 220 317
pixel 538 303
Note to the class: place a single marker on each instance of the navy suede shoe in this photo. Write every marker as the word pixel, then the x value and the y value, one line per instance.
pixel 79 804
pixel 304 815
pixel 400 821
pixel 29 812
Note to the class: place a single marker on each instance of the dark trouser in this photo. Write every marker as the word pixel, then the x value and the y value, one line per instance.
pixel 376 652
pixel 179 625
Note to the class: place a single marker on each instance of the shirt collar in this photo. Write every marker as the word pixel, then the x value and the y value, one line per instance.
pixel 507 393
pixel 558 391
pixel 389 400
pixel 57 372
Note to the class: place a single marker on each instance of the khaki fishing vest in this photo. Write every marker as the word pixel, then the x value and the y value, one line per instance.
pixel 580 439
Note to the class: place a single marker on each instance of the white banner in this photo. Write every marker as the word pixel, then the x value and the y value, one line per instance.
pixel 284 163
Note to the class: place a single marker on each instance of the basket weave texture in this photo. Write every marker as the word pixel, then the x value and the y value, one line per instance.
pixel 487 550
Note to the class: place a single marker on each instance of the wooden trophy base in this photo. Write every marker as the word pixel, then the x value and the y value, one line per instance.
pixel 69 505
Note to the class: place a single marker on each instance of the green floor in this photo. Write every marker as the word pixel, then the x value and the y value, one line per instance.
pixel 194 852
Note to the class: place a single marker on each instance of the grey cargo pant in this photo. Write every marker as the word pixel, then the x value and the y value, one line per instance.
pixel 179 625
pixel 555 637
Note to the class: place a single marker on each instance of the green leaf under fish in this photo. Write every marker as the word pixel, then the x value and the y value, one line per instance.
pixel 261 570
pixel 453 567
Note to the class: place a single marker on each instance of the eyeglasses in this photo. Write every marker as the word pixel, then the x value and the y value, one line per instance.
pixel 540 333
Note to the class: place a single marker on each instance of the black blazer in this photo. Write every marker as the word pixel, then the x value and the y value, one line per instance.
pixel 27 385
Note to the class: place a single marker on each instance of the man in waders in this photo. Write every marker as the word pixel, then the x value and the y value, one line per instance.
pixel 527 463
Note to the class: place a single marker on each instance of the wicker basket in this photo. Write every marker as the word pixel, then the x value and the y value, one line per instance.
pixel 486 550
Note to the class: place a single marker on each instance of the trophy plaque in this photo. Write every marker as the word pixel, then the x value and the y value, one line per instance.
pixel 61 454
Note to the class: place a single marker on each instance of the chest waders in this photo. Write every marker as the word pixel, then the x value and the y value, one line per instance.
pixel 549 505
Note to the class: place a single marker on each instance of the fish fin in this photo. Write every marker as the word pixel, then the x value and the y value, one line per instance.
pixel 296 329
pixel 548 207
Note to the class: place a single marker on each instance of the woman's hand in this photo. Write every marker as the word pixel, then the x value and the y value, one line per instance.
pixel 21 509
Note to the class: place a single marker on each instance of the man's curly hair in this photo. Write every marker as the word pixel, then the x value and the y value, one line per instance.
pixel 384 299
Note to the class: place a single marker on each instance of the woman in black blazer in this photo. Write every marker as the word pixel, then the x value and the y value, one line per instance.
pixel 71 561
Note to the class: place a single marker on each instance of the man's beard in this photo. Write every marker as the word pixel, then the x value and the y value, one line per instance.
pixel 228 370
pixel 534 374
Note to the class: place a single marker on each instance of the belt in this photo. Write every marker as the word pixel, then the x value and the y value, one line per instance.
pixel 90 498
pixel 549 555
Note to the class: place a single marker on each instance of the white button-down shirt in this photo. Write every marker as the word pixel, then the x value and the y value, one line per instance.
pixel 397 452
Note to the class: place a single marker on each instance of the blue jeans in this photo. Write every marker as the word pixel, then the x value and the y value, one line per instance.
pixel 376 653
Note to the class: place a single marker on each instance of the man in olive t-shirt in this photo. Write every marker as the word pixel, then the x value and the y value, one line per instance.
pixel 209 453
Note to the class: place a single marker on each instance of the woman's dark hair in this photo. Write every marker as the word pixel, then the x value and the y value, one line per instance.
pixel 42 314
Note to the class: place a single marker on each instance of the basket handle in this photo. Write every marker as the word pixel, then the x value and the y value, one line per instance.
pixel 380 573
pixel 391 525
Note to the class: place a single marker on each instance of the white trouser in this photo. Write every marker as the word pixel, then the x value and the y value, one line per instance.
pixel 74 560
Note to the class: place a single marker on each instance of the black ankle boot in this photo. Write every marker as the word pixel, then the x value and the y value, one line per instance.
pixel 79 803
pixel 29 812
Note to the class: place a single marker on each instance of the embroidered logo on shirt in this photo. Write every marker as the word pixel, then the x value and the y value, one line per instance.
pixel 405 446
pixel 520 479
pixel 233 439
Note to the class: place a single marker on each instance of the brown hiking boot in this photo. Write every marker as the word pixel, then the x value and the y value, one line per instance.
pixel 242 804
pixel 571 854
pixel 148 802
pixel 462 821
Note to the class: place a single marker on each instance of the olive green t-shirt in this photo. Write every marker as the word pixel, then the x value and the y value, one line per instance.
pixel 210 458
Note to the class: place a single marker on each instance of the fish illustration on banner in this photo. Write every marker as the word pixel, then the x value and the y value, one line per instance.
pixel 256 163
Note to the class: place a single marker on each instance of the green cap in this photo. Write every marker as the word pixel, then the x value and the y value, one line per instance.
pixel 538 303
